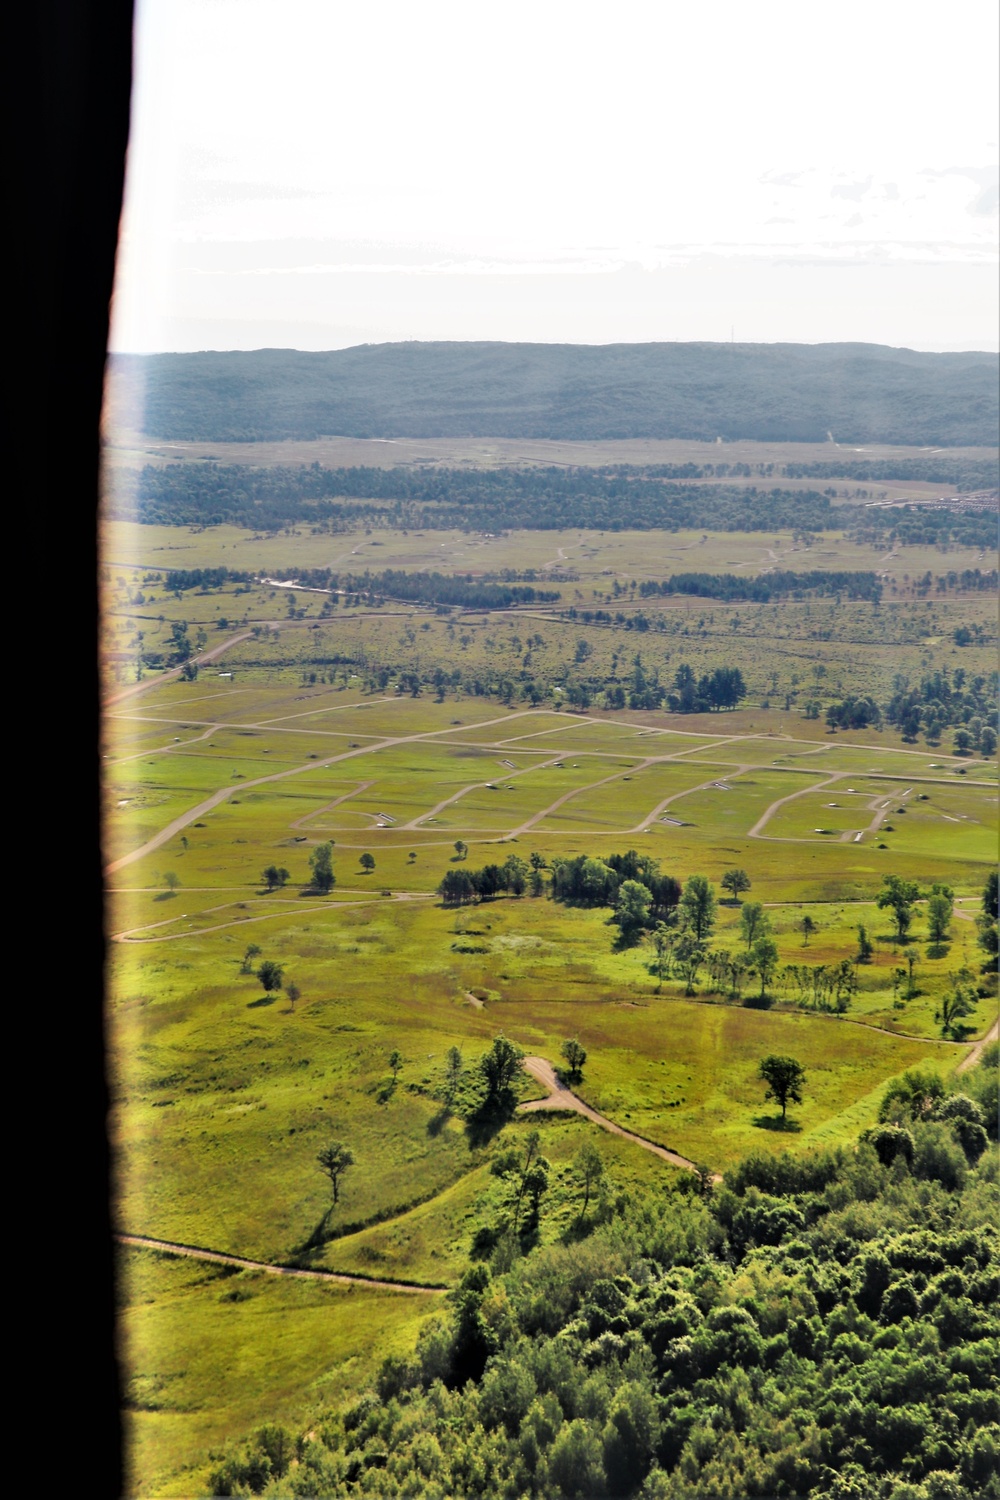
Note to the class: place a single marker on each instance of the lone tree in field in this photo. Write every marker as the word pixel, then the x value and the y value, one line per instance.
pixel 395 1062
pixel 335 1160
pixel 807 927
pixel 898 895
pixel 321 864
pixel 575 1054
pixel 270 975
pixel 171 880
pixel 367 863
pixel 784 1078
pixel 246 964
pixel 590 1165
pixel 696 908
pixel 293 992
pixel 274 877
pixel 500 1066
pixel 461 848
pixel 735 882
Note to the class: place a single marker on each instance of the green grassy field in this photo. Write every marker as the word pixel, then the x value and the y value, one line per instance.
pixel 222 1094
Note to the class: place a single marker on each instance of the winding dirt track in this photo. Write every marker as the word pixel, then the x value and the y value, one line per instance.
pixel 970 1062
pixel 560 1097
pixel 192 1252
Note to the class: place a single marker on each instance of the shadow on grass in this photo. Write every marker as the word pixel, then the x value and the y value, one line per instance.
pixel 490 1118
pixel 165 896
pixel 758 1002
pixel 314 1243
pixel 775 1122
pixel 938 950
pixel 264 1000
pixel 385 1091
pixel 437 1122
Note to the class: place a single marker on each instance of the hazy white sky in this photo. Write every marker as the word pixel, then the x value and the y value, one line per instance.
pixel 315 174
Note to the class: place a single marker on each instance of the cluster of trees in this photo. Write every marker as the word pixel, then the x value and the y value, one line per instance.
pixel 422 588
pixel 182 580
pixel 958 472
pixel 822 1326
pixel 939 702
pixel 779 584
pixel 460 886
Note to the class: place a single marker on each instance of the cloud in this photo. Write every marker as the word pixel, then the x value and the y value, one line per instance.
pixel 853 190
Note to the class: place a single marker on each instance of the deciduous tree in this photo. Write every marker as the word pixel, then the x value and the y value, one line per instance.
pixel 335 1160
pixel 784 1077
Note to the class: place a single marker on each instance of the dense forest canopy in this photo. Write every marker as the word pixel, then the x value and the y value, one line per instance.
pixel 535 499
pixel 820 1326
pixel 861 393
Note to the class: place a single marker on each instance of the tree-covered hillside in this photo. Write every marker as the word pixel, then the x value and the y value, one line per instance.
pixel 862 393
pixel 823 1326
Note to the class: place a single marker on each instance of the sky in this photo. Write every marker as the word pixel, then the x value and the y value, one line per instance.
pixel 317 174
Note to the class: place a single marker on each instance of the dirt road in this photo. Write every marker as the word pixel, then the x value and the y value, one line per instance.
pixel 191 1252
pixel 561 1097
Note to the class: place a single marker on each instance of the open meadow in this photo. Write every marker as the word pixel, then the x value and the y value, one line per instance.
pixel 256 734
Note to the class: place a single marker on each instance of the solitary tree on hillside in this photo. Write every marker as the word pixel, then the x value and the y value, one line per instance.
pixel 395 1062
pixel 171 880
pixel 575 1054
pixel 246 964
pixel 955 1006
pixel 321 863
pixel 735 882
pixel 807 927
pixel 696 908
pixel 293 992
pixel 270 975
pixel 335 1160
pixel 784 1078
pixel 367 863
pixel 461 848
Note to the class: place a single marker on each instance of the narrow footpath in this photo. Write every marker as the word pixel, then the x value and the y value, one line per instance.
pixel 191 1252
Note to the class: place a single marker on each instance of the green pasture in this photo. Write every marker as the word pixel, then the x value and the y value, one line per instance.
pixel 625 802
pixel 210 1352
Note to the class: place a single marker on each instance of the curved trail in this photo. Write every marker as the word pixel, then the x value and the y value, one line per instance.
pixel 970 1062
pixel 432 812
pixel 560 1097
pixel 192 1252
pixel 281 911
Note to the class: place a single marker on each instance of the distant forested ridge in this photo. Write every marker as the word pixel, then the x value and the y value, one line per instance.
pixel 862 393
pixel 535 499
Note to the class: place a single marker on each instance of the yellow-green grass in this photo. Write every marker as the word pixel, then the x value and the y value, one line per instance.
pixel 685 1075
pixel 630 554
pixel 433 1241
pixel 627 801
pixel 209 1354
